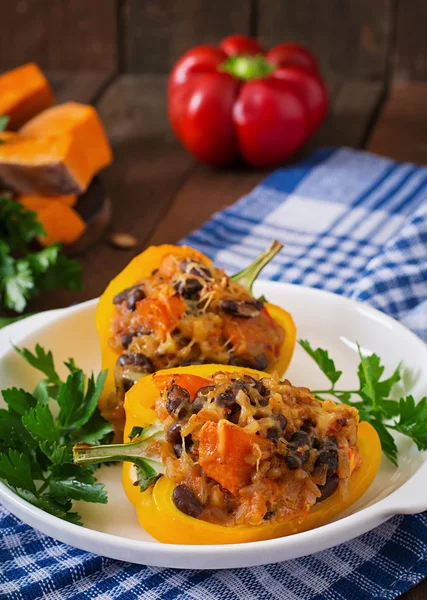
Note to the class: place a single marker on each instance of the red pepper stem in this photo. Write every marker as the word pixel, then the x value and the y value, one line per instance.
pixel 248 276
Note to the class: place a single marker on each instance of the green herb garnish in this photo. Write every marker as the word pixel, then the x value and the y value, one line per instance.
pixel 38 432
pixel 4 120
pixel 374 403
pixel 24 273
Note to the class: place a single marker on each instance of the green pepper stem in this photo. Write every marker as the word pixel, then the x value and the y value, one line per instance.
pixel 137 452
pixel 247 67
pixel 248 276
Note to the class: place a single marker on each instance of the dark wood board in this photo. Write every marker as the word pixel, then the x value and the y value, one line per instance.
pixel 76 86
pixel 149 167
pixel 207 190
pixel 410 50
pixel 59 34
pixel 156 33
pixel 349 37
pixel 401 130
pixel 417 593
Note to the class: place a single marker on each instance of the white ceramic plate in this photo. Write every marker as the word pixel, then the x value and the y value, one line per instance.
pixel 325 319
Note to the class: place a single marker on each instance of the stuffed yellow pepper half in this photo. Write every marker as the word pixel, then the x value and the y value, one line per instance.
pixel 171 307
pixel 236 455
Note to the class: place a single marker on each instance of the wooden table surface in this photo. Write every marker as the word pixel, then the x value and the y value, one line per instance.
pixel 160 193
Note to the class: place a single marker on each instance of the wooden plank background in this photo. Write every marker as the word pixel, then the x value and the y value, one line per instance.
pixel 366 39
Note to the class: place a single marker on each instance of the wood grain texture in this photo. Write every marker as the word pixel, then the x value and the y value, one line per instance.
pixel 149 167
pixel 401 130
pixel 156 33
pixel 349 38
pixel 59 34
pixel 418 593
pixel 207 190
pixel 410 52
pixel 79 87
pixel 350 117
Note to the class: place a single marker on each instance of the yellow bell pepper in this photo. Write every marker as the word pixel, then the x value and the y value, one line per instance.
pixel 142 266
pixel 159 516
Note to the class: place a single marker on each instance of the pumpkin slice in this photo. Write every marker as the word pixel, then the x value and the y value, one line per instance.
pixel 44 166
pixel 24 92
pixel 83 123
pixel 33 202
pixel 61 223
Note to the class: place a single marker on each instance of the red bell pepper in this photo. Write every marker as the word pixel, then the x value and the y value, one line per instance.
pixel 237 101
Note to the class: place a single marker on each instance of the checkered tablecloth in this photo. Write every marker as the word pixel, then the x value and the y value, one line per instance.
pixel 355 224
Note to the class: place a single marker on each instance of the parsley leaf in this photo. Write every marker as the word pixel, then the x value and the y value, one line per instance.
pixel 50 505
pixel 39 422
pixel 325 363
pixel 4 120
pixel 23 272
pixel 78 490
pixel 40 360
pixel 15 468
pixel 375 405
pixel 18 225
pixel 36 458
pixel 413 420
pixel 76 405
pixel 19 400
pixel 387 441
pixel 145 476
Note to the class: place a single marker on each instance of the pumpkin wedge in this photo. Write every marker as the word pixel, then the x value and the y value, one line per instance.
pixel 24 92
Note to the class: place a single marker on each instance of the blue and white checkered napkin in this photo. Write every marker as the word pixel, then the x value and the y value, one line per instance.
pixel 354 224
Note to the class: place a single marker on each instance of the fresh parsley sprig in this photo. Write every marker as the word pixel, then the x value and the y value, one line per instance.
pixel 4 120
pixel 374 403
pixel 23 272
pixel 38 432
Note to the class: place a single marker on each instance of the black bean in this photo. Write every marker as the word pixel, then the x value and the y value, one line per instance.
pixel 124 294
pixel 226 399
pixel 234 415
pixel 282 421
pixel 189 289
pixel 188 443
pixel 329 488
pixel 244 309
pixel 300 438
pixel 142 362
pixel 261 389
pixel 241 384
pixel 268 515
pixel 189 266
pixel 237 361
pixel 260 362
pixel 204 391
pixel 124 359
pixel 201 272
pixel 127 339
pixel 273 434
pixel 307 425
pixel 197 405
pixel 173 434
pixel 329 458
pixel 134 297
pixel 186 502
pixel 177 448
pixel 296 460
pixel 177 399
